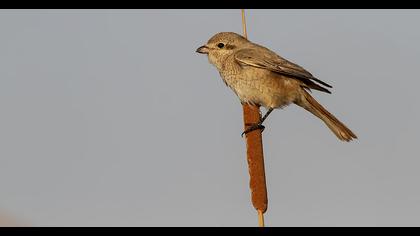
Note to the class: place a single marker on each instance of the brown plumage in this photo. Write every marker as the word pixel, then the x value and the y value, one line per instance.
pixel 259 76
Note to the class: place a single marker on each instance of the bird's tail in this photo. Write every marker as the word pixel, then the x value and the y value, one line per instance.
pixel 338 128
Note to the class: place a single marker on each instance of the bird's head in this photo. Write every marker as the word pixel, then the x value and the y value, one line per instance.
pixel 221 46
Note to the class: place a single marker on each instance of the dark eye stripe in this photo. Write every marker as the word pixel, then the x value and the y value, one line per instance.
pixel 228 46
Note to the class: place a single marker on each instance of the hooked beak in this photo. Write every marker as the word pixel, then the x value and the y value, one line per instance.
pixel 203 49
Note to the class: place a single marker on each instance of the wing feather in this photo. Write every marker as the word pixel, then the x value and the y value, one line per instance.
pixel 267 59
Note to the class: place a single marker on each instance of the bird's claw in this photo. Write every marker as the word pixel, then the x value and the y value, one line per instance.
pixel 253 127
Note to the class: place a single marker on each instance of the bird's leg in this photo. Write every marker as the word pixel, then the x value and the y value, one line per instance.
pixel 257 125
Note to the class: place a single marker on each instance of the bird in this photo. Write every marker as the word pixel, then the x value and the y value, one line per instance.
pixel 260 77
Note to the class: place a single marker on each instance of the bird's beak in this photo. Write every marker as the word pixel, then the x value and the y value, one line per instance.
pixel 203 49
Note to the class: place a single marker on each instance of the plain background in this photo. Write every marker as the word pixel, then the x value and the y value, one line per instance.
pixel 110 118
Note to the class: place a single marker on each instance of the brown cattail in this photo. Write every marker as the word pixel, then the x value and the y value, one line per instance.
pixel 255 157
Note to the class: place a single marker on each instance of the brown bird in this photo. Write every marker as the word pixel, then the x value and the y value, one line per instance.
pixel 258 76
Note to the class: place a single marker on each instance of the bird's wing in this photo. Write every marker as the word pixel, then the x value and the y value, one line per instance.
pixel 266 59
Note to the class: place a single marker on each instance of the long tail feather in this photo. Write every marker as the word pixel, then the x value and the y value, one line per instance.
pixel 338 128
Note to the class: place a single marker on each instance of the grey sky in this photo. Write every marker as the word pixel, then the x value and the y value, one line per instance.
pixel 110 118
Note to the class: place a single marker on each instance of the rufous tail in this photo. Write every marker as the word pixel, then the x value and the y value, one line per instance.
pixel 338 128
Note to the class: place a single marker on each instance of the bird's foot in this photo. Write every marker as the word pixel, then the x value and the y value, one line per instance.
pixel 253 127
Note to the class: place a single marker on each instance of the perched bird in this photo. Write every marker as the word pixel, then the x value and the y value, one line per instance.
pixel 258 76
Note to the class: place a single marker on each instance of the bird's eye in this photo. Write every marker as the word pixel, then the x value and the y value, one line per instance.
pixel 220 45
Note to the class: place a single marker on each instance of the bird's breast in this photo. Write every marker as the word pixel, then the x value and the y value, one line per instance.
pixel 262 88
